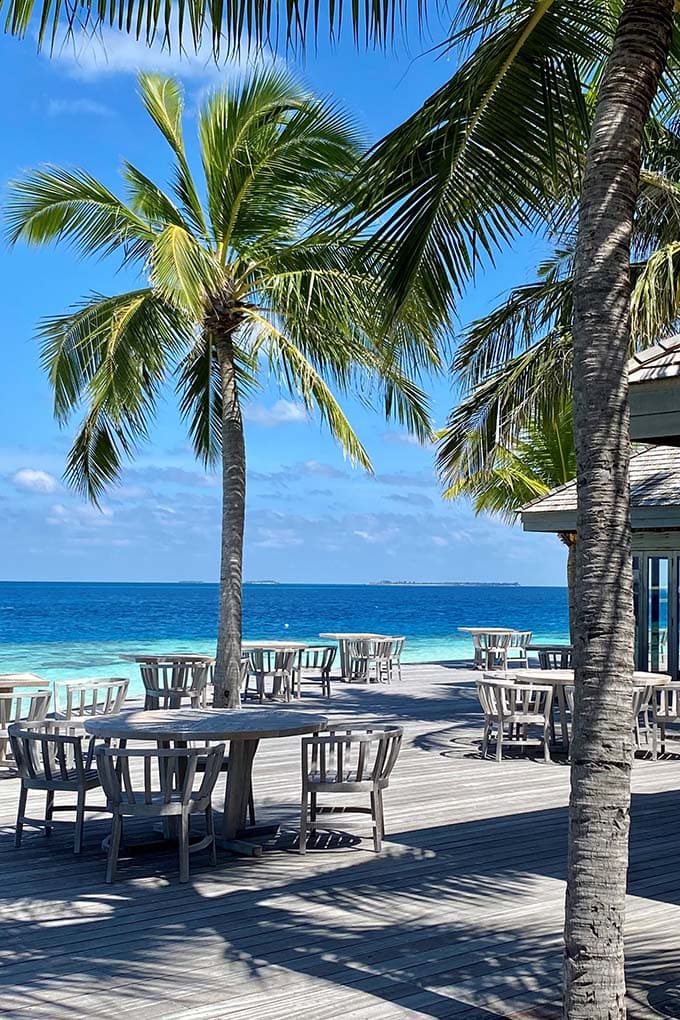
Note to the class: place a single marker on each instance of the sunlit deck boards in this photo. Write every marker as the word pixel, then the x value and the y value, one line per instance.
pixel 460 917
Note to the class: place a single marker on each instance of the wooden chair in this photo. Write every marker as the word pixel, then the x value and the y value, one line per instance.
pixel 315 659
pixel 510 709
pixel 394 661
pixel 172 684
pixel 20 707
pixel 279 666
pixel 493 650
pixel 555 658
pixel 209 698
pixel 642 707
pixel 181 791
pixel 372 660
pixel 89 697
pixel 517 648
pixel 54 756
pixel 342 760
pixel 665 712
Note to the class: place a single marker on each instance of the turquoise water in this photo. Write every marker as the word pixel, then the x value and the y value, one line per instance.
pixel 68 630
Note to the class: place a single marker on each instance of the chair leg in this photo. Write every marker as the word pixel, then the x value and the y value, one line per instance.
pixel 377 823
pixel 546 742
pixel 260 687
pixel 485 739
pixel 381 805
pixel 499 741
pixel 655 740
pixel 21 811
pixel 49 812
pixel 312 812
pixel 251 805
pixel 303 823
pixel 210 830
pixel 80 819
pixel 184 848
pixel 114 847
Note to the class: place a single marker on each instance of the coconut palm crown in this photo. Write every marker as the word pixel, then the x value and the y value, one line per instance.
pixel 239 278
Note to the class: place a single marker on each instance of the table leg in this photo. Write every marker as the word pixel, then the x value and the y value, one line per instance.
pixel 562 705
pixel 344 659
pixel 236 836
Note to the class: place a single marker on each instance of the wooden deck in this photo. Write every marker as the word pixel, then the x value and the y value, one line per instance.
pixel 460 917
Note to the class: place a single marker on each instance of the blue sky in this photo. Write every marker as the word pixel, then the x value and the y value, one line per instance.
pixel 311 517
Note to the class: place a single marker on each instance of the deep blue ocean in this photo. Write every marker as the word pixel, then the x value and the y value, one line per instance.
pixel 77 630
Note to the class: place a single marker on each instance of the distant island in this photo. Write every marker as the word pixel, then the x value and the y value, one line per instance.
pixel 448 584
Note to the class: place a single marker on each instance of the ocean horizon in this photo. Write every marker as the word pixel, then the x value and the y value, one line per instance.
pixel 66 629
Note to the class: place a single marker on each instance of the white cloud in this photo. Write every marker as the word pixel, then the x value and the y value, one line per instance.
pixel 108 52
pixel 403 438
pixel 276 538
pixel 82 516
pixel 281 413
pixel 32 480
pixel 75 107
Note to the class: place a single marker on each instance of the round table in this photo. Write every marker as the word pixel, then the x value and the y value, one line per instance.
pixel 12 681
pixel 243 728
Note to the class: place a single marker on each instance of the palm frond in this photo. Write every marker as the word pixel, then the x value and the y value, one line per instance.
pixel 303 380
pixel 164 102
pixel 503 479
pixel 53 204
pixel 183 270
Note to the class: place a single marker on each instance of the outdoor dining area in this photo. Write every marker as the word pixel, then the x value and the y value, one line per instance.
pixel 161 760
pixel 525 706
pixel 271 931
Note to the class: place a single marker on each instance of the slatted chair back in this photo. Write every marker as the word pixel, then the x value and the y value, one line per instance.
pixel 396 648
pixel 52 754
pixel 489 641
pixel 90 697
pixel 317 657
pixel 167 782
pixel 666 703
pixel 555 659
pixel 343 757
pixel 520 639
pixel 20 707
pixel 170 684
pixel 507 700
pixel 271 661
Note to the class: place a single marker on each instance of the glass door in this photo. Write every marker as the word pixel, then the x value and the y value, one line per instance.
pixel 658 604
pixel 656 595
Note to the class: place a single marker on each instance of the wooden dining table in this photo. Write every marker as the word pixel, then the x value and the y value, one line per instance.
pixel 242 728
pixel 13 681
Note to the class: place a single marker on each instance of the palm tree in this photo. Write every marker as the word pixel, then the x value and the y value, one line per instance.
pixel 238 276
pixel 506 478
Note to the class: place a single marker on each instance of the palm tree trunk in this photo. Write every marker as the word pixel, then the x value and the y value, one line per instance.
pixel 603 627
pixel 569 539
pixel 227 668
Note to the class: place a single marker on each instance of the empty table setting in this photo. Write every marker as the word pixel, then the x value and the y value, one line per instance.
pixel 243 728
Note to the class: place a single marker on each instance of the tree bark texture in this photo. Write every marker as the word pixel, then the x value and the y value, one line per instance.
pixel 227 667
pixel 601 749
